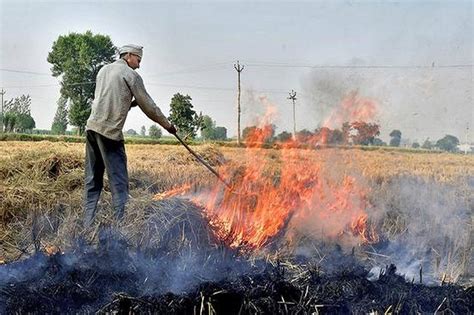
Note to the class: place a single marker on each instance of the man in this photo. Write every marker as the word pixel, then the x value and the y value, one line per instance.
pixel 116 85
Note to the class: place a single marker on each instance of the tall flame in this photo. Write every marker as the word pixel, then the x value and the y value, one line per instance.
pixel 272 190
pixel 352 108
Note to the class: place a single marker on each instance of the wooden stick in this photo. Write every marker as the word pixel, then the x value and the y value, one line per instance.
pixel 202 161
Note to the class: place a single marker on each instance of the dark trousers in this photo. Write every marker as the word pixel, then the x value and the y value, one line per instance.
pixel 104 154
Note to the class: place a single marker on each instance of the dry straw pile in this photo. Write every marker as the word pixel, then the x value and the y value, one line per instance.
pixel 41 194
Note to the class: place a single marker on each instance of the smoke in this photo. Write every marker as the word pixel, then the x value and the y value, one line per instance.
pixel 427 224
pixel 171 250
pixel 325 89
pixel 421 102
pixel 339 203
pixel 420 224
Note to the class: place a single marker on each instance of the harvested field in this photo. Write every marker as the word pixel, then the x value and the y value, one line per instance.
pixel 418 216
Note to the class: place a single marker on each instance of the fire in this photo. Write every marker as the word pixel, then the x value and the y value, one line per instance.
pixel 352 108
pixel 362 228
pixel 51 249
pixel 274 191
pixel 177 191
pixel 267 196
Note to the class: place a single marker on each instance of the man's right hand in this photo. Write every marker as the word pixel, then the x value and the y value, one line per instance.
pixel 172 130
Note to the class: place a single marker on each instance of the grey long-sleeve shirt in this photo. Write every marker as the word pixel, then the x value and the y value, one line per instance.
pixel 116 84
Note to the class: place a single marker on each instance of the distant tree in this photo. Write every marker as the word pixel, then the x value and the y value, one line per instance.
pixel 60 118
pixel 220 133
pixel 336 137
pixel 415 145
pixel 247 131
pixel 258 135
pixel 131 132
pixel 304 135
pixel 325 135
pixel 396 138
pixel 379 142
pixel 427 144
pixel 9 121
pixel 284 136
pixel 25 123
pixel 448 143
pixel 154 131
pixel 17 115
pixel 76 59
pixel 143 131
pixel 183 116
pixel 207 128
pixel 361 133
pixel 347 132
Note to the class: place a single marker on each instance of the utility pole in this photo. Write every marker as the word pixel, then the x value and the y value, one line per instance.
pixel 239 69
pixel 468 145
pixel 293 98
pixel 1 117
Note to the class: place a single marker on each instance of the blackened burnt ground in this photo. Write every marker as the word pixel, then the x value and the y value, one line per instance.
pixel 112 277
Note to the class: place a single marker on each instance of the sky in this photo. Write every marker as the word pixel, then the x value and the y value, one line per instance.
pixel 413 58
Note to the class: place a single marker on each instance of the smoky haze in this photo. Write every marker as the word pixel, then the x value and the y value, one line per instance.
pixel 194 53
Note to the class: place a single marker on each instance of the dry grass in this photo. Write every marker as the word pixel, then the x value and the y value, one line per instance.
pixel 41 188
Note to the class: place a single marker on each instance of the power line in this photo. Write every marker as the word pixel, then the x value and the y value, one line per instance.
pixel 287 65
pixel 48 85
pixel 193 87
pixel 202 68
pixel 25 72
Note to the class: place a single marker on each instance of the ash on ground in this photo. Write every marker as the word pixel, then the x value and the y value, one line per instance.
pixel 178 267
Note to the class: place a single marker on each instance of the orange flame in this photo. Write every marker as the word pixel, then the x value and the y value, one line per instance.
pixel 177 191
pixel 269 195
pixel 274 190
pixel 352 108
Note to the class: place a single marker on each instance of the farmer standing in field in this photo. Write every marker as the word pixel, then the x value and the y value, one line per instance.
pixel 116 85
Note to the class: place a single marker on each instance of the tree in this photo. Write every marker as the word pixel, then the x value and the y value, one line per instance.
pixel 25 123
pixel 259 135
pixel 60 118
pixel 336 137
pixel 207 128
pixel 154 131
pixel 131 132
pixel 379 142
pixel 448 143
pixel 248 131
pixel 220 133
pixel 396 138
pixel 284 136
pixel 17 117
pixel 304 135
pixel 183 116
pixel 143 131
pixel 415 145
pixel 77 58
pixel 326 135
pixel 360 132
pixel 427 144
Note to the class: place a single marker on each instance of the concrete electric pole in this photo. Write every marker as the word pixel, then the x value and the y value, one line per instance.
pixel 239 69
pixel 1 117
pixel 293 98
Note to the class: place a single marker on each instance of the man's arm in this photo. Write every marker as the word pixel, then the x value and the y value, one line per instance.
pixel 148 106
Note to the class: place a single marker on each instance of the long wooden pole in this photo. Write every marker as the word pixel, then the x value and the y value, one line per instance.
pixel 202 161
